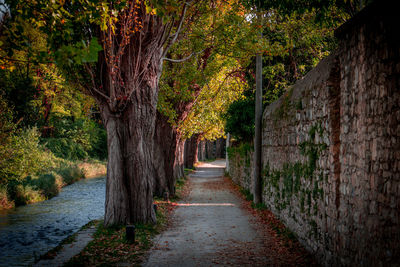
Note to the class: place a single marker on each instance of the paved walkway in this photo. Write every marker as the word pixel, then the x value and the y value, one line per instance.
pixel 209 227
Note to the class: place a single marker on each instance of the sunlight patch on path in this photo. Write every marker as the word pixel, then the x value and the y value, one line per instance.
pixel 205 204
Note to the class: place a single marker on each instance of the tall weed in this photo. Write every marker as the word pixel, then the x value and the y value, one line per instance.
pixel 5 202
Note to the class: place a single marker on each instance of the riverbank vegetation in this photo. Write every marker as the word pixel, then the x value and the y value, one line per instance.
pixel 31 172
pixel 50 132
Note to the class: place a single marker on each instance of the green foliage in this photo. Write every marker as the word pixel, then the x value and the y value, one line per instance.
pixel 240 119
pixel 75 139
pixel 219 40
pixel 312 150
pixel 29 173
pixel 26 156
pixel 35 188
pixel 243 149
pixel 296 43
pixel 7 130
pixel 258 206
pixel 66 148
pixel 48 184
pixel 23 194
pixel 322 8
pixel 70 173
pixel 285 108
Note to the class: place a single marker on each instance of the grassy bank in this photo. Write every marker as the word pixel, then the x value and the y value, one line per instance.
pixel 47 183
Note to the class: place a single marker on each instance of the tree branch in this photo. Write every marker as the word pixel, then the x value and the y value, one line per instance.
pixel 183 59
pixel 175 36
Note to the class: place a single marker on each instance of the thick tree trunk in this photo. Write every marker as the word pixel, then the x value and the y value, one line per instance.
pixel 130 124
pixel 191 151
pixel 125 84
pixel 129 190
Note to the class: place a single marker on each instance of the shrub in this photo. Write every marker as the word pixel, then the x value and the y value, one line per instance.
pixel 32 157
pixel 70 173
pixel 49 184
pixel 23 155
pixel 24 194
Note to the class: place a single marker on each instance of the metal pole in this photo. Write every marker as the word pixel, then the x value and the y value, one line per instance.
pixel 257 138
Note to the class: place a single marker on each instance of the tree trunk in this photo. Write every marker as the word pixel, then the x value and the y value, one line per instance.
pixel 191 151
pixel 179 160
pixel 210 149
pixel 130 122
pixel 166 142
pixel 202 151
pixel 129 190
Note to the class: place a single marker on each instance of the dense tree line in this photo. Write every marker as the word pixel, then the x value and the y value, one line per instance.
pixel 154 72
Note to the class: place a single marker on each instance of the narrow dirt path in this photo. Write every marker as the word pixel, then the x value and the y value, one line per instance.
pixel 210 227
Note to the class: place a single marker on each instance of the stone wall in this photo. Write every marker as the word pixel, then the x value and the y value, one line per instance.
pixel 241 164
pixel 331 148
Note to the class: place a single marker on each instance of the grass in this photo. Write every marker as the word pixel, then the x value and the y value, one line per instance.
pixel 110 246
pixel 93 168
pixel 246 193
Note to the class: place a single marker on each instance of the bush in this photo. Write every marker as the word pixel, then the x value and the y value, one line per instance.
pixel 71 174
pixel 23 194
pixel 23 156
pixel 49 184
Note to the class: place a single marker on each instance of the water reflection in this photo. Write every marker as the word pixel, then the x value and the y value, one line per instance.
pixel 29 231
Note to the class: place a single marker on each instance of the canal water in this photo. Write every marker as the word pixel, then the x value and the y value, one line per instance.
pixel 30 231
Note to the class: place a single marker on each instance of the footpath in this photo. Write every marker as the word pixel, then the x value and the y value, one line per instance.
pixel 209 227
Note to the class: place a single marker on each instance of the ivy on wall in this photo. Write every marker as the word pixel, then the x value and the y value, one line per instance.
pixel 300 179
